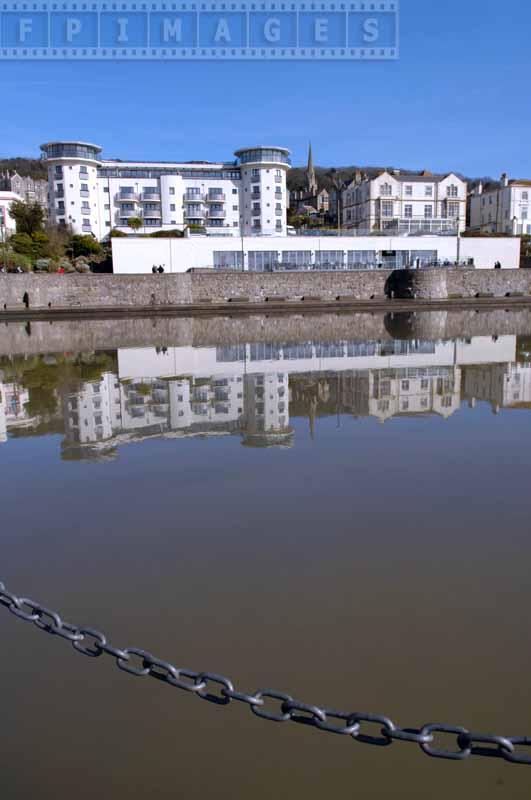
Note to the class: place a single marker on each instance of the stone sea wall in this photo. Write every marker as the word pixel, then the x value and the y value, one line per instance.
pixel 107 292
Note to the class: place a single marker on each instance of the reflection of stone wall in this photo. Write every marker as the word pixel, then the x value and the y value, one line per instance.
pixel 109 334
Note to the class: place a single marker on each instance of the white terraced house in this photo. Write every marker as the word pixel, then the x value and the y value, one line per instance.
pixel 503 208
pixel 93 195
pixel 405 203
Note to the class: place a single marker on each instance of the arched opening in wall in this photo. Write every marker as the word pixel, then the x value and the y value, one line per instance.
pixel 25 299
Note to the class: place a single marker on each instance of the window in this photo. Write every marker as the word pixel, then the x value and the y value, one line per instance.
pixel 58 171
pixel 229 259
pixel 278 225
pixel 172 206
pixel 329 258
pixel 405 386
pixel 387 208
pixel 452 191
pixel 296 258
pixel 409 191
pixel 453 210
pixel 106 189
pixel 524 213
pixel 408 212
pixel 234 191
pixel 386 190
pixel 255 174
pixel 263 260
pixel 172 189
pixel 428 212
pixel 525 197
pixel 429 191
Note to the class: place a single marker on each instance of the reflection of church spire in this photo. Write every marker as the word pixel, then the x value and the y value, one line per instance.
pixel 311 182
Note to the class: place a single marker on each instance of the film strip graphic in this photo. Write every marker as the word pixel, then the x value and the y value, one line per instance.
pixel 196 30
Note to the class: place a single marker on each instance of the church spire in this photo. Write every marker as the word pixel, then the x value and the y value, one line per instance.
pixel 311 182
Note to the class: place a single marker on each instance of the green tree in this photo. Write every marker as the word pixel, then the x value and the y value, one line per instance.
pixel 84 245
pixel 29 217
pixel 22 243
pixel 135 223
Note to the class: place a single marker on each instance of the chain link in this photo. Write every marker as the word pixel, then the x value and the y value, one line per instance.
pixel 269 704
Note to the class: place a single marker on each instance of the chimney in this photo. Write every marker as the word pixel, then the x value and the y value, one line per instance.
pixel 396 172
pixel 504 180
pixel 479 189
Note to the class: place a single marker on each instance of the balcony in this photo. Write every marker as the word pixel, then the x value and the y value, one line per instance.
pixel 256 212
pixel 126 213
pixel 150 198
pixel 194 215
pixel 194 198
pixel 221 214
pixel 215 198
pixel 419 225
pixel 123 197
pixel 151 213
pixel 84 193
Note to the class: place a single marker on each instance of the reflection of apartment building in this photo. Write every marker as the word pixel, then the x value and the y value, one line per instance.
pixel 501 385
pixel 266 419
pixel 414 391
pixel 206 404
pixel 13 401
pixel 93 414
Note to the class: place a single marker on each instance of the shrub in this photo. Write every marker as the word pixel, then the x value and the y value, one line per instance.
pixel 43 265
pixel 17 260
pixel 116 234
pixel 174 233
pixel 84 245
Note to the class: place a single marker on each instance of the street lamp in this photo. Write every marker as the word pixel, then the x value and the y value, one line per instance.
pixel 337 183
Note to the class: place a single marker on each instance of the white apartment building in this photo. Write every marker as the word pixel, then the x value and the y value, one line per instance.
pixel 93 195
pixel 501 209
pixel 402 203
pixel 7 223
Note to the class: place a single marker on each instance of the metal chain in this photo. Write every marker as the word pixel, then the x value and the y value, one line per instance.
pixel 267 703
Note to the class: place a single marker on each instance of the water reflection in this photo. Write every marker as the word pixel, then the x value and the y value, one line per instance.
pixel 101 401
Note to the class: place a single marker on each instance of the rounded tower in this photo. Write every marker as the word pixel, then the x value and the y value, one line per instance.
pixel 73 185
pixel 263 193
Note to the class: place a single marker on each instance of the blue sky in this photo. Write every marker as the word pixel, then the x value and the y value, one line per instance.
pixel 457 98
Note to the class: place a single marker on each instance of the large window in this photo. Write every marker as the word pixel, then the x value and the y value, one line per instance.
pixel 329 258
pixel 387 208
pixel 423 257
pixel 408 211
pixel 453 210
pixel 294 259
pixel 361 259
pixel 228 259
pixel 263 260
pixel 386 190
pixel 452 191
pixel 428 212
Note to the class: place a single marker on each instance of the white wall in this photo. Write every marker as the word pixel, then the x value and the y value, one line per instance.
pixel 6 220
pixel 138 255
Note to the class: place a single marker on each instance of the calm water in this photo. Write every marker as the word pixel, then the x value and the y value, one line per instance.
pixel 345 518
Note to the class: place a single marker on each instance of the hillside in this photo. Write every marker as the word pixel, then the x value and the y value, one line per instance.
pixel 35 168
pixel 26 167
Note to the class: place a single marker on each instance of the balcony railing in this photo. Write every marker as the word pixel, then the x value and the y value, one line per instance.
pixel 217 214
pixel 127 198
pixel 125 213
pixel 151 213
pixel 150 198
pixel 194 215
pixel 215 198
pixel 412 225
pixel 194 198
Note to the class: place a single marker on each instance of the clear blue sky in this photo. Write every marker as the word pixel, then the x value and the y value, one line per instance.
pixel 458 98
